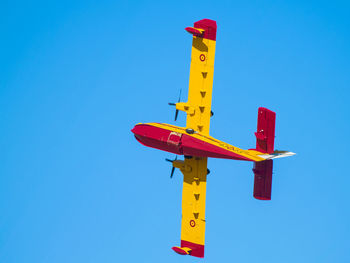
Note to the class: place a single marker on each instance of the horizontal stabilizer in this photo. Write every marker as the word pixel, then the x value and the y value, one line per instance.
pixel 263 179
pixel 265 134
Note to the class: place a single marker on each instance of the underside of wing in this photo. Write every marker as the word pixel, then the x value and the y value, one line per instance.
pixel 198 106
pixel 193 206
pixel 198 110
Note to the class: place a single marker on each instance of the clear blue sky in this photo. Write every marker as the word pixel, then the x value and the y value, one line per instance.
pixel 75 76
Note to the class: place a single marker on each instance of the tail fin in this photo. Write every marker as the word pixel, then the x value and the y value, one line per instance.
pixel 265 140
pixel 265 134
pixel 263 180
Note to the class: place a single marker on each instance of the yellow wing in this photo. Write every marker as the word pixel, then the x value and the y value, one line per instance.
pixel 198 109
pixel 193 205
pixel 198 106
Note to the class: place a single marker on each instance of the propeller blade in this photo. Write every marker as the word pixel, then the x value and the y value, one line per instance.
pixel 172 172
pixel 174 104
pixel 172 169
pixel 176 113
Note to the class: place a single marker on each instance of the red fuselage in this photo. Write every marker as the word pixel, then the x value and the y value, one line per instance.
pixel 181 143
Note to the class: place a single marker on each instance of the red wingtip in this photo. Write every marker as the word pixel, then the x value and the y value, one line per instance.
pixel 194 31
pixel 209 26
pixel 197 250
pixel 180 250
pixel 262 198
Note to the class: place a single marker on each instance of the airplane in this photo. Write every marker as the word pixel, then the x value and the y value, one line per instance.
pixel 195 143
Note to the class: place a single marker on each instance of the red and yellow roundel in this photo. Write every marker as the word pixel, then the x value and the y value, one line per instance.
pixel 192 223
pixel 202 57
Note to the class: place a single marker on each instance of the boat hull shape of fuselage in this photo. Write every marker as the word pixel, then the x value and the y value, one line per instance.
pixel 178 141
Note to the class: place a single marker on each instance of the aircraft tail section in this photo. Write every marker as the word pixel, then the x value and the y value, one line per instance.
pixel 263 179
pixel 276 154
pixel 265 134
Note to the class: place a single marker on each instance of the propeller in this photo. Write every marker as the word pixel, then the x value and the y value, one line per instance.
pixel 172 169
pixel 174 104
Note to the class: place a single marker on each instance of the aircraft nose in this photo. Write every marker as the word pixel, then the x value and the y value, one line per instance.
pixel 136 129
pixel 141 129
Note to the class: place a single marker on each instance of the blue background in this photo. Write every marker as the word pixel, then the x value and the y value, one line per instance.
pixel 75 76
